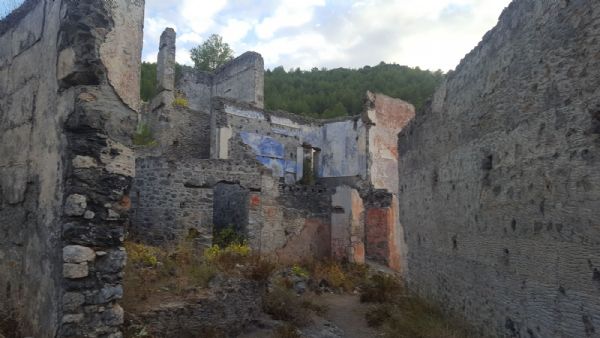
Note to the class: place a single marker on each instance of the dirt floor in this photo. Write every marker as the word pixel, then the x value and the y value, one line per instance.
pixel 348 313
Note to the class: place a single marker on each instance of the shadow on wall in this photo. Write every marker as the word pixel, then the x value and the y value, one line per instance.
pixel 230 208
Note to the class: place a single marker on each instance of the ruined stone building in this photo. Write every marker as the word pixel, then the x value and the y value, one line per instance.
pixel 296 187
pixel 488 202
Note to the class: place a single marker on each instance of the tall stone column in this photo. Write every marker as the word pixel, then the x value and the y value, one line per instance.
pixel 165 71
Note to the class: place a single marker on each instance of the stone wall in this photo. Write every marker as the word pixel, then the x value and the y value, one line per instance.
pixel 172 197
pixel 241 79
pixel 499 179
pixel 67 114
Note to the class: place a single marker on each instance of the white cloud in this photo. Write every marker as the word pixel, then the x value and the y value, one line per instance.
pixel 199 16
pixel 430 34
pixel 235 30
pixel 290 13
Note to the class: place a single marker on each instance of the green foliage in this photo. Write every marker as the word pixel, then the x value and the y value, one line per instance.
pixel 228 236
pixel 148 81
pixel 403 314
pixel 339 92
pixel 322 93
pixel 144 137
pixel 300 271
pixel 211 54
pixel 180 102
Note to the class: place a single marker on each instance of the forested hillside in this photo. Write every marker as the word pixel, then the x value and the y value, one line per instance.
pixel 338 92
pixel 330 93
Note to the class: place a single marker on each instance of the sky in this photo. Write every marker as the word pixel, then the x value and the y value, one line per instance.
pixel 430 34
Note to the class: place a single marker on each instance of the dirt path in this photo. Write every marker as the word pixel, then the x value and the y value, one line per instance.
pixel 348 313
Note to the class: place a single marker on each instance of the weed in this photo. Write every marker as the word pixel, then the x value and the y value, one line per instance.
pixel 381 288
pixel 228 236
pixel 143 137
pixel 300 271
pixel 260 269
pixel 180 102
pixel 283 304
pixel 405 315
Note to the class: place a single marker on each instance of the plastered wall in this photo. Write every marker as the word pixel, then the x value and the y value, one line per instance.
pixel 499 179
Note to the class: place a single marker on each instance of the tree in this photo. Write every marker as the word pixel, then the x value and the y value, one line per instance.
pixel 211 54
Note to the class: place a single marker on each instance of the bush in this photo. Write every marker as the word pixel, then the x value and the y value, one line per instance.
pixel 260 268
pixel 283 304
pixel 381 288
pixel 341 276
pixel 227 258
pixel 405 315
pixel 300 271
pixel 227 236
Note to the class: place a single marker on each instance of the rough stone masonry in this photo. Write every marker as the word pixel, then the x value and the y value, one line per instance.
pixel 69 84
pixel 500 177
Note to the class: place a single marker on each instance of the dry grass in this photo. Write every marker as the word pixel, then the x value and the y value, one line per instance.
pixel 152 273
pixel 402 314
pixel 283 304
pixel 346 277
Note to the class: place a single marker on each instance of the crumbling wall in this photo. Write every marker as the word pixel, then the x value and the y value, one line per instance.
pixel 172 197
pixel 347 225
pixel 387 116
pixel 65 162
pixel 499 179
pixel 241 79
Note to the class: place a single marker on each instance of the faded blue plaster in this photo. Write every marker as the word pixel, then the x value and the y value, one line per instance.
pixel 269 152
pixel 263 145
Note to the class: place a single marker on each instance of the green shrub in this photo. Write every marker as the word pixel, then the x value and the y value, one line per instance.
pixel 283 304
pixel 227 236
pixel 381 288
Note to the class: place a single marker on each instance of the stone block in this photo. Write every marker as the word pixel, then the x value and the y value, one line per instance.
pixel 78 254
pixel 75 271
pixel 75 205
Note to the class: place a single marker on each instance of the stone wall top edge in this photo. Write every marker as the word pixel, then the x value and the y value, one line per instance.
pixel 246 57
pixel 13 19
pixel 284 114
pixel 252 165
pixel 503 19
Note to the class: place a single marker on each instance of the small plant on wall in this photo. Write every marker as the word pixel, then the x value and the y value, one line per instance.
pixel 228 236
pixel 144 137
pixel 180 101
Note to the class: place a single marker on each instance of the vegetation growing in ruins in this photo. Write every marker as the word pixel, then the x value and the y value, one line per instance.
pixel 403 314
pixel 227 236
pixel 211 54
pixel 180 101
pixel 143 136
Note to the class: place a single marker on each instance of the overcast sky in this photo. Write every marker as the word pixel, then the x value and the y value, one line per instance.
pixel 431 34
